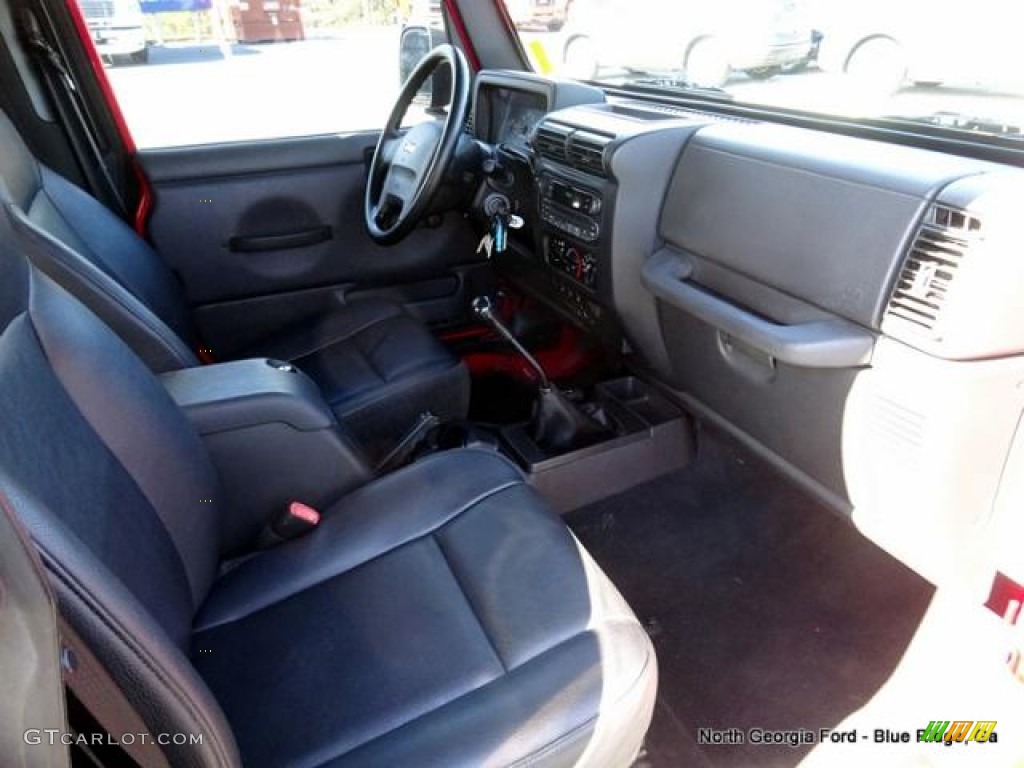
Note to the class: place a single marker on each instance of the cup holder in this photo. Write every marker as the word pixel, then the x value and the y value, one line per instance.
pixel 641 399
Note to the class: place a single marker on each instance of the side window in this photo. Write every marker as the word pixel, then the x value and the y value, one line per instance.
pixel 207 71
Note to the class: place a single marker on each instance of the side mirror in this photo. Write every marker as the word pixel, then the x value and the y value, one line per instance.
pixel 417 41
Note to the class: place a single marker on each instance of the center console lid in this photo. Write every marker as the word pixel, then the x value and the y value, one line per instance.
pixel 247 393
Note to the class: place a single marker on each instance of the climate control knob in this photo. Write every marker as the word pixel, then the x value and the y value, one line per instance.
pixel 581 266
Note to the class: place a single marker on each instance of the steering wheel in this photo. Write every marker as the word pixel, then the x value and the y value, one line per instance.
pixel 408 167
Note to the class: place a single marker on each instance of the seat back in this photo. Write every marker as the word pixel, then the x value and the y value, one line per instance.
pixel 117 493
pixel 96 257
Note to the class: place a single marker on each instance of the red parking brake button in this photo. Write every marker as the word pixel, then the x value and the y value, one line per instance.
pixel 304 512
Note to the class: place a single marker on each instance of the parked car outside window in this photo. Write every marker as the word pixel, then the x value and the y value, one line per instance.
pixel 932 63
pixel 117 28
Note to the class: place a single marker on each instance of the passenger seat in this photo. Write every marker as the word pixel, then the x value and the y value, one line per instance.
pixel 439 616
pixel 377 366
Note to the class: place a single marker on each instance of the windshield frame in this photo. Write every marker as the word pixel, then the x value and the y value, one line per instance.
pixel 994 147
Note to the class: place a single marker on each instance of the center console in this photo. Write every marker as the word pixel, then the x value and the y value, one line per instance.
pixel 647 436
pixel 549 175
pixel 562 257
pixel 575 215
pixel 272 439
pixel 559 252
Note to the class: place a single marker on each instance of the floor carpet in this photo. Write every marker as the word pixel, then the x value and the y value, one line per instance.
pixel 766 610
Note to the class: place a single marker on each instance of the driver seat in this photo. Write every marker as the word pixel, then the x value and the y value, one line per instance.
pixel 377 366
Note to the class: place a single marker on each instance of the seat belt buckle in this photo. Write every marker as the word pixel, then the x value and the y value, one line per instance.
pixel 297 520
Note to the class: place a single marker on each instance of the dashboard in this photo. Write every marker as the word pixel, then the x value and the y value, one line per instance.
pixel 849 308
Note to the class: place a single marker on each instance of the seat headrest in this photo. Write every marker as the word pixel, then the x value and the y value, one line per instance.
pixel 19 169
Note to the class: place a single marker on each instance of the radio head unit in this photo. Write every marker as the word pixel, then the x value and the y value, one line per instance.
pixel 573 198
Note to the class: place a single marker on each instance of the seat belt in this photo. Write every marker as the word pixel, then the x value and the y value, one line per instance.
pixel 89 680
pixel 65 97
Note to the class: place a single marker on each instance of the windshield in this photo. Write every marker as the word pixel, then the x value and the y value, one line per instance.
pixel 935 62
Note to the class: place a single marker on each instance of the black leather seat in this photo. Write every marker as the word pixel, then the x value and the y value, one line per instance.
pixel 377 366
pixel 439 616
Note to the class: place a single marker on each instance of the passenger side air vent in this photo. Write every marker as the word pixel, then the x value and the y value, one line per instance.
pixel 923 286
pixel 586 152
pixel 550 140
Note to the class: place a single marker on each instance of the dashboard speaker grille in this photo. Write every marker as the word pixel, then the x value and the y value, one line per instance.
pixel 924 283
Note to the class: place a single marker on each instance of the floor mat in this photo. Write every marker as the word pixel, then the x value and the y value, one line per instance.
pixel 766 610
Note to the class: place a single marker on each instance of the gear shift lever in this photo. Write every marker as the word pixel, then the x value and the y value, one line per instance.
pixel 483 308
pixel 557 423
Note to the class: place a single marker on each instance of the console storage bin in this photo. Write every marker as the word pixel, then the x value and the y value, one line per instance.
pixel 652 436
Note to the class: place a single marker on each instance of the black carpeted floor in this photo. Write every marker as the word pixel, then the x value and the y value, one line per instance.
pixel 500 399
pixel 765 609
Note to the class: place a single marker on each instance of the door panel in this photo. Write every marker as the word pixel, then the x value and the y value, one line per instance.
pixel 265 234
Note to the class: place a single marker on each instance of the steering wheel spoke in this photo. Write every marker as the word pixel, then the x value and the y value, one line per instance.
pixel 388 211
pixel 388 148
pixel 399 188
pixel 408 167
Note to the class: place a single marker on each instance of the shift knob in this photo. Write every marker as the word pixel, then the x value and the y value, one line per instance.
pixel 482 306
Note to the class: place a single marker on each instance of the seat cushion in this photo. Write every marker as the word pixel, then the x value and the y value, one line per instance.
pixel 378 367
pixel 440 616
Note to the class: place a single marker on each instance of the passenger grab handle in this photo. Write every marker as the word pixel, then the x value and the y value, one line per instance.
pixel 826 343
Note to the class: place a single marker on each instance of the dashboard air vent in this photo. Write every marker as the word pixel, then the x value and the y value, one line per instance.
pixel 550 140
pixel 586 152
pixel 576 148
pixel 936 254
